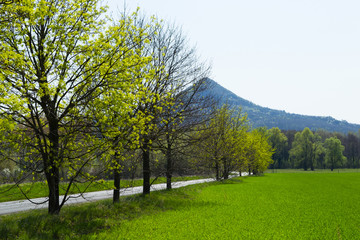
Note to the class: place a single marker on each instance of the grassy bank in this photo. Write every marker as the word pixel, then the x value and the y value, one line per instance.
pixel 10 192
pixel 275 206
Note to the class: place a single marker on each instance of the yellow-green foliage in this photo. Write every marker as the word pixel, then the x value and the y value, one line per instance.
pixel 66 75
pixel 227 145
pixel 258 151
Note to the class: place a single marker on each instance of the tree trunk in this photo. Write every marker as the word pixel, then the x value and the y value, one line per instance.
pixel 312 165
pixel 168 163
pixel 51 164
pixel 146 167
pixel 52 177
pixel 353 162
pixel 305 165
pixel 168 181
pixel 116 193
pixel 217 171
pixel 226 169
pixel 168 169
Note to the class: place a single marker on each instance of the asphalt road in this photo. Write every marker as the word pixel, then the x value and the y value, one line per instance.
pixel 23 205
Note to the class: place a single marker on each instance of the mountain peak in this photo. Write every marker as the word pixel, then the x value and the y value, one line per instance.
pixel 261 116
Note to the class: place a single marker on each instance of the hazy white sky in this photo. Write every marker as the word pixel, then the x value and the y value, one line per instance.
pixel 301 56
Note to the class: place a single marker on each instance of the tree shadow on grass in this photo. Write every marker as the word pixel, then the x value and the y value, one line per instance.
pixel 38 224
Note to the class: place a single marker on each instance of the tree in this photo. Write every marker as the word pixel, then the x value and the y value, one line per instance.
pixel 222 141
pixel 119 119
pixel 306 148
pixel 178 77
pixel 352 149
pixel 278 142
pixel 55 60
pixel 258 151
pixel 334 153
pixel 189 109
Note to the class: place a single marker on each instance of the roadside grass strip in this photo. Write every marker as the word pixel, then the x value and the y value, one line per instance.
pixel 274 206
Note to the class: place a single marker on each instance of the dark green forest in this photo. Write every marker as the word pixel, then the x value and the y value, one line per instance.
pixel 312 150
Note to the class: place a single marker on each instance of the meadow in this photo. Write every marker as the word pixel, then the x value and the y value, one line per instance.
pixel 293 205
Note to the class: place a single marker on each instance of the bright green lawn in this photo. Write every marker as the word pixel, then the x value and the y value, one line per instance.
pixel 275 206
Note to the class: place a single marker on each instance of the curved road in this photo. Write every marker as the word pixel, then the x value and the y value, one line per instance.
pixel 23 205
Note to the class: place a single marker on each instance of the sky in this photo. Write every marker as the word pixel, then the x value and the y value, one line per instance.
pixel 301 56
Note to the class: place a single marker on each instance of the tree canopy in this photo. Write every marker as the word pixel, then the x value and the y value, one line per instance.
pixel 56 60
pixel 334 153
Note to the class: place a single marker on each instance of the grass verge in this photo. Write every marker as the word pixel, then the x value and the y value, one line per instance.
pixel 274 206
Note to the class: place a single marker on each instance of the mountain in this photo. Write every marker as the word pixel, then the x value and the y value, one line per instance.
pixel 261 116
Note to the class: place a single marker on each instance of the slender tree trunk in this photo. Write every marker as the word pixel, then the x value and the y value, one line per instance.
pixel 217 170
pixel 52 177
pixel 312 165
pixel 354 163
pixel 226 169
pixel 117 177
pixel 52 172
pixel 169 163
pixel 168 168
pixel 146 167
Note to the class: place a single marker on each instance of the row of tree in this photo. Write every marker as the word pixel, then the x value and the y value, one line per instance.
pixel 228 145
pixel 83 96
pixel 309 150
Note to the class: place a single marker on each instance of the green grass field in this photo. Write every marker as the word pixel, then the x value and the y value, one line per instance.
pixel 274 206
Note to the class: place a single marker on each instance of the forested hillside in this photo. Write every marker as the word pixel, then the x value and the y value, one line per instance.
pixel 262 116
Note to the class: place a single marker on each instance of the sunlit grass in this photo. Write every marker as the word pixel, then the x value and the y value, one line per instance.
pixel 84 221
pixel 274 206
pixel 277 206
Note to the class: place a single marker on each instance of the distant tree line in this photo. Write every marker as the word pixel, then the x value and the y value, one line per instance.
pixel 310 150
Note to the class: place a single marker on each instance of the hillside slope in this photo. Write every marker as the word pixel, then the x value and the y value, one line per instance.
pixel 262 116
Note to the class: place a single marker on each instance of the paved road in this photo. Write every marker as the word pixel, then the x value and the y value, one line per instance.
pixel 23 205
